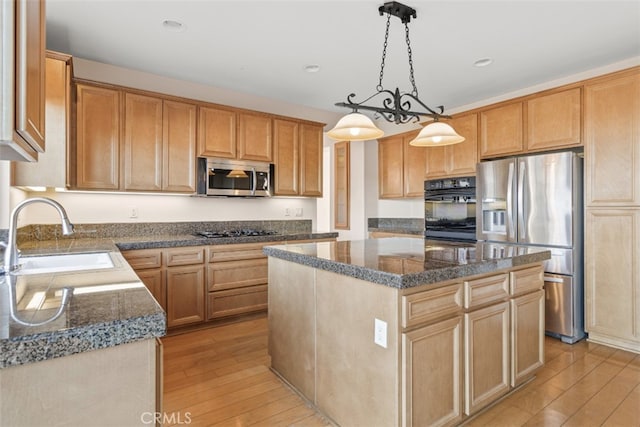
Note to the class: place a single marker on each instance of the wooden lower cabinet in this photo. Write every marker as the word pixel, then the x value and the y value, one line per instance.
pixel 433 361
pixel 487 356
pixel 185 295
pixel 527 344
pixel 237 301
pixel 154 280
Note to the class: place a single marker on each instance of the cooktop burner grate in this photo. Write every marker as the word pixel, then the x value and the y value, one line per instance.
pixel 235 233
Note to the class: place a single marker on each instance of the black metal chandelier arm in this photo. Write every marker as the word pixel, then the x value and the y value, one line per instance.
pixel 433 113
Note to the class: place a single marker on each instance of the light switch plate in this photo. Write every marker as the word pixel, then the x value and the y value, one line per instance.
pixel 380 333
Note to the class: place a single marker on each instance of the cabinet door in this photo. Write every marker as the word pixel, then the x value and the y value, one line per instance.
pixel 286 157
pixel 390 167
pixel 527 336
pixel 462 158
pixel 612 277
pixel 154 281
pixel 185 295
pixel 30 71
pixel 142 142
pixel 612 138
pixel 254 137
pixel 97 159
pixel 432 360
pixel 237 301
pixel 436 163
pixel 501 130
pixel 487 357
pixel 179 147
pixel 310 160
pixel 554 121
pixel 217 133
pixel 237 274
pixel 415 160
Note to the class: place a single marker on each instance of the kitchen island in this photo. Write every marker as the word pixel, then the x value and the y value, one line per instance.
pixel 403 331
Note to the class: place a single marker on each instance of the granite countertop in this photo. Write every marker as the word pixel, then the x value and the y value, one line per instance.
pixel 406 262
pixel 107 307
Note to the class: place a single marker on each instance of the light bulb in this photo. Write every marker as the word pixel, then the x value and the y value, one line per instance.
pixel 437 139
pixel 354 131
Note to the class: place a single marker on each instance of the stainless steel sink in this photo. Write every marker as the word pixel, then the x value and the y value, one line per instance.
pixel 64 263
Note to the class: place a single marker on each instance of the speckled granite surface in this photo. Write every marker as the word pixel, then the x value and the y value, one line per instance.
pixel 397 225
pixel 106 308
pixel 405 262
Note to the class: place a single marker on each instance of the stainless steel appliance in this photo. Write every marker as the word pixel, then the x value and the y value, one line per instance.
pixel 224 177
pixel 450 209
pixel 536 202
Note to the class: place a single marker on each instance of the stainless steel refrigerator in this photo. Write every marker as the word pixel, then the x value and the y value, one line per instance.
pixel 531 202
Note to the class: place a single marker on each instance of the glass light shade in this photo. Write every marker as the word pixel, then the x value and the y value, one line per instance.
pixel 436 134
pixel 355 127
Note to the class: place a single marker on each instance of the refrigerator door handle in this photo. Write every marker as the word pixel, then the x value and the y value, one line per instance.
pixel 510 229
pixel 522 229
pixel 553 279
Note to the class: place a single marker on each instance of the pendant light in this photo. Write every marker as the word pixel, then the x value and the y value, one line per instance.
pixel 396 106
pixel 237 173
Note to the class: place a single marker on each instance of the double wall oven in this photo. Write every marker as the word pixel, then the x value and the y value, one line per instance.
pixel 450 209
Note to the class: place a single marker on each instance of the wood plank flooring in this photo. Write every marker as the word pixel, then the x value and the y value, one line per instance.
pixel 220 377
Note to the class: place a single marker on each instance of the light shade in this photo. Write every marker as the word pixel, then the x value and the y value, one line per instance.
pixel 436 134
pixel 237 173
pixel 355 127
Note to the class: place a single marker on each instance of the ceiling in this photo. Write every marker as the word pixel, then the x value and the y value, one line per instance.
pixel 262 47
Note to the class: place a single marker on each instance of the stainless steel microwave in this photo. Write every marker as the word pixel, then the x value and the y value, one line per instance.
pixel 223 177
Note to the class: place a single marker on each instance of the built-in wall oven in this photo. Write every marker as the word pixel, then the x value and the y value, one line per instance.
pixel 450 209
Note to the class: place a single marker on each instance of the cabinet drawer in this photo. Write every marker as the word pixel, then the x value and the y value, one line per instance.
pixel 527 280
pixel 142 259
pixel 237 252
pixel 236 274
pixel 429 305
pixel 237 301
pixel 486 290
pixel 184 256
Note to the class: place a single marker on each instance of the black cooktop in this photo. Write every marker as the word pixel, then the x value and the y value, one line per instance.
pixel 235 233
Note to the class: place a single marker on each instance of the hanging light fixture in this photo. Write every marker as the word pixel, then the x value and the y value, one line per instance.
pixel 237 173
pixel 396 106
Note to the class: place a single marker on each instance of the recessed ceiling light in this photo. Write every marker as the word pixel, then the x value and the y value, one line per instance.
pixel 312 68
pixel 483 62
pixel 172 25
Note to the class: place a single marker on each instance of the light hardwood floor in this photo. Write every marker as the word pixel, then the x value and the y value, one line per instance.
pixel 220 377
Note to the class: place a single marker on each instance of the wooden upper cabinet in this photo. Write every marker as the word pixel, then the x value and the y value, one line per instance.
pixel 179 147
pixel 97 148
pixel 612 141
pixel 391 167
pixel 217 133
pixel 311 160
pixel 254 137
pixel 554 120
pixel 458 159
pixel 501 130
pixel 142 142
pixel 30 72
pixel 414 167
pixel 286 154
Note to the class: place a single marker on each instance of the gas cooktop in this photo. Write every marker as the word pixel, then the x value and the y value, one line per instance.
pixel 235 233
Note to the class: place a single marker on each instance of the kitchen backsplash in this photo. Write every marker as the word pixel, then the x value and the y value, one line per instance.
pixel 106 230
pixel 396 224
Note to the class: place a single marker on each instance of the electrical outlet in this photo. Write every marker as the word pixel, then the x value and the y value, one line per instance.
pixel 380 332
pixel 287 211
pixel 133 212
pixel 298 212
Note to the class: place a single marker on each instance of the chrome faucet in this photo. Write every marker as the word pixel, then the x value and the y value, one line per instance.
pixel 11 251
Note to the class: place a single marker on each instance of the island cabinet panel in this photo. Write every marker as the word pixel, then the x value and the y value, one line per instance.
pixel 487 356
pixel 420 307
pixel 501 130
pixel 255 137
pixel 97 144
pixel 292 322
pixel 217 132
pixel 432 360
pixel 527 343
pixel 554 121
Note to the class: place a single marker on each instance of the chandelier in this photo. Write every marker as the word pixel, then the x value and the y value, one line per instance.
pixel 397 107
